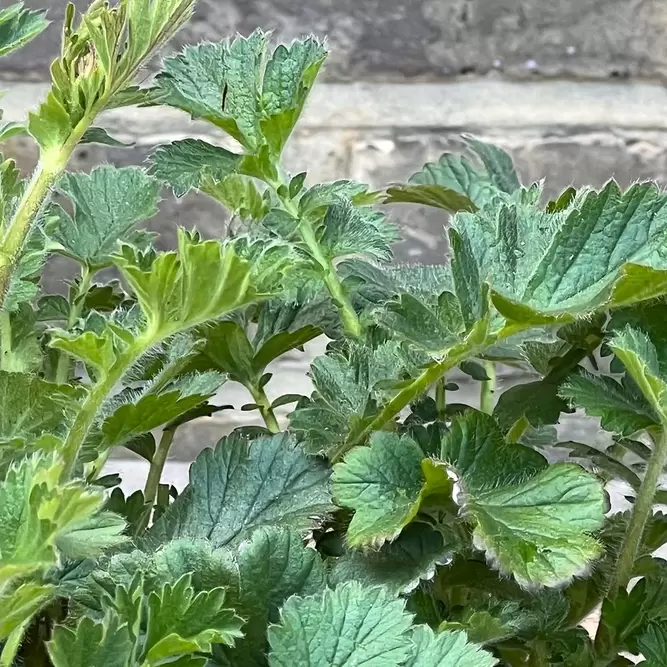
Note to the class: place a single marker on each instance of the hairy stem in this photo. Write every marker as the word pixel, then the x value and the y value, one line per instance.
pixel 415 389
pixel 640 514
pixel 49 169
pixel 347 313
pixel 265 409
pixel 441 397
pixel 157 465
pixel 93 402
pixel 64 362
pixel 488 388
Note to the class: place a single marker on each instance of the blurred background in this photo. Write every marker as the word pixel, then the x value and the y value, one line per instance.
pixel 572 88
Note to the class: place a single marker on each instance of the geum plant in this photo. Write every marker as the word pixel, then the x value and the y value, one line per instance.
pixel 388 525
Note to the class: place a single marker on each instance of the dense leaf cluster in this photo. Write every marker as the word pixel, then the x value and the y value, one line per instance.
pixel 386 524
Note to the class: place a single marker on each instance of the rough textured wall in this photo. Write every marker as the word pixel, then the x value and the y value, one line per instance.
pixel 573 88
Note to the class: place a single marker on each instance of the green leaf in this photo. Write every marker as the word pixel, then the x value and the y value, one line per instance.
pixel 466 278
pixel 455 173
pixel 476 449
pixel 98 135
pixel 240 196
pixel 428 194
pixel 371 630
pixel 181 622
pixel 315 201
pixel 289 75
pixel 18 26
pixel 107 204
pixel 561 264
pixel 30 407
pixel 540 530
pixel 272 566
pixel 219 83
pixel 50 126
pixel 498 164
pixel 640 358
pixel 9 130
pixel 620 405
pixel 352 230
pixel 169 290
pixel 399 565
pixel 97 351
pixel 90 643
pixel 242 485
pixel 539 402
pixel 347 393
pixel 21 604
pixel 191 164
pixel 382 483
pixel 152 409
pixel 34 510
pixel 93 536
pixel 446 649
pixel 653 645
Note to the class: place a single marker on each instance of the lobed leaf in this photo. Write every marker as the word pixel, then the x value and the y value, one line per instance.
pixel 18 26
pixel 242 485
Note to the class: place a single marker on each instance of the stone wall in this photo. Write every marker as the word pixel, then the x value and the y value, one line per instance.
pixel 573 88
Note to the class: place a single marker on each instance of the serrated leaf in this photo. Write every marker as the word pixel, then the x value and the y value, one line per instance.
pixel 289 75
pixel 557 265
pixel 620 406
pixel 18 26
pixel 242 485
pixel 90 643
pixel 219 83
pixel 92 537
pixel 315 201
pixel 240 196
pixel 95 350
pixel 107 203
pixel 539 402
pixel 382 483
pixel 371 630
pixel 653 645
pixel 98 135
pixel 475 448
pixel 399 565
pixel 50 126
pixel 181 622
pixel 498 164
pixel 352 230
pixel 190 163
pixel 21 604
pixel 456 173
pixel 35 509
pixel 446 649
pixel 272 566
pixel 640 358
pixel 31 407
pixel 346 393
pixel 540 530
pixel 169 290
pixel 152 409
pixel 430 194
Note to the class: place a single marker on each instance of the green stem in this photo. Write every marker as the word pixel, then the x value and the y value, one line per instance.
pixel 64 360
pixel 5 339
pixel 348 315
pixel 96 396
pixel 640 515
pixel 265 409
pixel 416 388
pixel 441 397
pixel 49 169
pixel 488 388
pixel 157 465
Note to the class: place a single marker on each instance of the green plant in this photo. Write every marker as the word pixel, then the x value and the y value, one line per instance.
pixel 387 525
